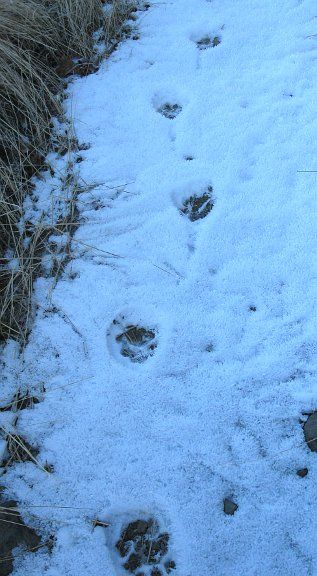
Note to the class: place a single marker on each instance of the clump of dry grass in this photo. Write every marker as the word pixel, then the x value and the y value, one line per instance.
pixel 40 42
pixel 77 21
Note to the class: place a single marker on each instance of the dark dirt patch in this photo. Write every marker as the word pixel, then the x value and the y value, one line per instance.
pixel 208 42
pixel 310 431
pixel 142 544
pixel 170 110
pixel 198 207
pixel 137 343
pixel 229 507
pixel 13 533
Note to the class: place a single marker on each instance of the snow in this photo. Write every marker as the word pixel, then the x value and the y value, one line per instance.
pixel 215 412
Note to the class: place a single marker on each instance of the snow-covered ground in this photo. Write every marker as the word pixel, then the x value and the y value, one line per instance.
pixel 214 411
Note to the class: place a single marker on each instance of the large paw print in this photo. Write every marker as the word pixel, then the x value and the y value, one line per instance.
pixel 134 342
pixel 144 549
pixel 169 110
pixel 198 206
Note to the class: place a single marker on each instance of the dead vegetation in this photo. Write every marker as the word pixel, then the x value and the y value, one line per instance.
pixel 14 533
pixel 41 43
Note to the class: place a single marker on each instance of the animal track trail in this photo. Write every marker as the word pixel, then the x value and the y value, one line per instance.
pixel 142 547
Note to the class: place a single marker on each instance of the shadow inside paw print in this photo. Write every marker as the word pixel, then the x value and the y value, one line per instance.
pixel 143 547
pixel 198 207
pixel 208 42
pixel 137 343
pixel 170 110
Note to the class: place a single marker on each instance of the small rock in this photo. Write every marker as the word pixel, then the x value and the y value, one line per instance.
pixel 310 432
pixel 302 472
pixel 229 507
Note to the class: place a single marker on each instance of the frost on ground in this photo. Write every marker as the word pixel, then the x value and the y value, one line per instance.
pixel 204 435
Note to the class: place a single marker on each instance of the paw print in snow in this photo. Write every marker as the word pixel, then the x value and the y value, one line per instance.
pixel 134 342
pixel 144 549
pixel 197 206
pixel 170 110
pixel 208 42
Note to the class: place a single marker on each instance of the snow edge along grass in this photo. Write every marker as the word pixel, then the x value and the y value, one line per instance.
pixel 41 44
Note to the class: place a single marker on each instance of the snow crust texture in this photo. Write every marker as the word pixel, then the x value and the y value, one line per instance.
pixel 199 240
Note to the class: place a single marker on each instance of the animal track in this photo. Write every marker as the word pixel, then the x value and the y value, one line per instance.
pixel 197 207
pixel 170 110
pixel 135 342
pixel 208 42
pixel 143 549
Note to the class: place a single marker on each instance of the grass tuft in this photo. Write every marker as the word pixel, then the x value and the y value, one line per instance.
pixel 41 43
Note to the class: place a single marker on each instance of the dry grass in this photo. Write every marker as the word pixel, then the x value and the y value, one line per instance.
pixel 40 42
